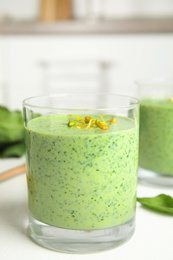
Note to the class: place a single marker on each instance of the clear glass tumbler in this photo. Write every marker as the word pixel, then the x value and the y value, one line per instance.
pixel 156 131
pixel 82 160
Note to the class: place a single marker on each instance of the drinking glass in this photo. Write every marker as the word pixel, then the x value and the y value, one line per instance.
pixel 156 131
pixel 81 160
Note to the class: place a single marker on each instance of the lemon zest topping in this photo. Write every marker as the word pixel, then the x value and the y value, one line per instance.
pixel 90 123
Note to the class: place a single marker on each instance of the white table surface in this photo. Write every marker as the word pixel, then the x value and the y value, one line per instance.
pixel 153 238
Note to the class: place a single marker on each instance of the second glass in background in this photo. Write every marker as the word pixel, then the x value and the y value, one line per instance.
pixel 156 131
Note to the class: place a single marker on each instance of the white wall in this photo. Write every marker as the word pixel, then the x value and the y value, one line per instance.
pixel 19 9
pixel 133 57
pixel 28 9
pixel 122 8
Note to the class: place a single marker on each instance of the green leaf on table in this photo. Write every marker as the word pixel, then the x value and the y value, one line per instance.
pixel 11 126
pixel 162 203
pixel 13 150
pixel 11 133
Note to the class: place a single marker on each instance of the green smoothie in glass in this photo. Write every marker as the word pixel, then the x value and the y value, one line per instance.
pixel 82 176
pixel 156 135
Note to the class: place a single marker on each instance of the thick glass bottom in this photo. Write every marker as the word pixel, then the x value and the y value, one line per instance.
pixel 80 241
pixel 152 178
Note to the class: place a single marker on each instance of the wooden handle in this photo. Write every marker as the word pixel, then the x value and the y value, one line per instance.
pixel 13 172
pixel 48 10
pixel 52 10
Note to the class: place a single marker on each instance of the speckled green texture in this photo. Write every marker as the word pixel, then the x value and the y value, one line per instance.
pixel 81 179
pixel 156 136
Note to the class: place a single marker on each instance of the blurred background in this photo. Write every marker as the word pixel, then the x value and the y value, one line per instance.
pixel 53 46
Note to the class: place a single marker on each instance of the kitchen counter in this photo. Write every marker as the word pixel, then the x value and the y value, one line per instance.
pixel 116 26
pixel 152 239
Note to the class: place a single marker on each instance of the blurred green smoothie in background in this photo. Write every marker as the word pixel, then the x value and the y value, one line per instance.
pixel 156 131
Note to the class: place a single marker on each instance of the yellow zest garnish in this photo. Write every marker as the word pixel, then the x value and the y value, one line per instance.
pixel 113 120
pixel 79 126
pixel 90 123
pixel 80 119
pixel 171 99
pixel 103 123
pixel 101 118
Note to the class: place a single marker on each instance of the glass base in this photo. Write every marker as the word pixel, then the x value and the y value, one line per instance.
pixel 152 178
pixel 80 241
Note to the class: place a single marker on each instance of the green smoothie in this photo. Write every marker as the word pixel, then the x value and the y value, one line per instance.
pixel 82 179
pixel 156 135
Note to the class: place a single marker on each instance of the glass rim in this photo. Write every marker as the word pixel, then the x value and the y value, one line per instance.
pixel 130 106
pixel 154 81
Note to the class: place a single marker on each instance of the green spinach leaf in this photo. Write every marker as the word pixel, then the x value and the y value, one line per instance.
pixel 13 150
pixel 11 133
pixel 162 203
